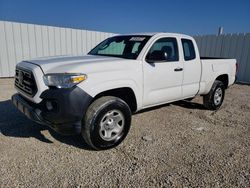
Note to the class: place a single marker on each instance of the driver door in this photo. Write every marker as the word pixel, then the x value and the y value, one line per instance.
pixel 163 73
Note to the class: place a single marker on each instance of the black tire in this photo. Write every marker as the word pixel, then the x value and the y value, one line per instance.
pixel 209 99
pixel 92 127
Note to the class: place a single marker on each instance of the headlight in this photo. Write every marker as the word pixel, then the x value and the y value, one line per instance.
pixel 63 80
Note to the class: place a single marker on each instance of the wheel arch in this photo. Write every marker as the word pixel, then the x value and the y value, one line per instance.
pixel 224 78
pixel 125 93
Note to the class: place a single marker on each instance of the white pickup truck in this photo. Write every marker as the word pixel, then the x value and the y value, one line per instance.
pixel 96 94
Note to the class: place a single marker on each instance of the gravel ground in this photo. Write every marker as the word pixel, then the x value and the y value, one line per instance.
pixel 175 145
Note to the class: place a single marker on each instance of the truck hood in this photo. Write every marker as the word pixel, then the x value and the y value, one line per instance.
pixel 85 64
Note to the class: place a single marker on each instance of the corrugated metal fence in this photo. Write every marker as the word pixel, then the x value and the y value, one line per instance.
pixel 230 46
pixel 20 41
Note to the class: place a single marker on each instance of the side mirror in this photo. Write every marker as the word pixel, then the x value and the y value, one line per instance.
pixel 157 56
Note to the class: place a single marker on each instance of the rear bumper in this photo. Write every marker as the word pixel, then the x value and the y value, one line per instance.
pixel 68 109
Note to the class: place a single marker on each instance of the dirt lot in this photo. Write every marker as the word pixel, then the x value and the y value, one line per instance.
pixel 175 145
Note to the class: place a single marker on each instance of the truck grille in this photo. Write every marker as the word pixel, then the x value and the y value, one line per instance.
pixel 25 81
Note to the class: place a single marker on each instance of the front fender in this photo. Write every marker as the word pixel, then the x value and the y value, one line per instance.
pixel 94 89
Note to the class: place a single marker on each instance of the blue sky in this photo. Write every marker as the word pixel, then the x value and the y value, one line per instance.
pixel 128 16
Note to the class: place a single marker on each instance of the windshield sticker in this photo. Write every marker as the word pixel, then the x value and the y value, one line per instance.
pixel 138 39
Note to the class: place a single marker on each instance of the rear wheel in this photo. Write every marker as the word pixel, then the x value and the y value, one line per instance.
pixel 213 100
pixel 107 123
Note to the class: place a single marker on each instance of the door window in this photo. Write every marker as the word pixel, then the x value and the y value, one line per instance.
pixel 164 49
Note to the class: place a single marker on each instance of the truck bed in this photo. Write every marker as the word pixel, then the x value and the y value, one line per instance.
pixel 212 68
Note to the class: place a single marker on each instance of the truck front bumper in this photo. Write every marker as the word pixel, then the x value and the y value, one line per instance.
pixel 60 109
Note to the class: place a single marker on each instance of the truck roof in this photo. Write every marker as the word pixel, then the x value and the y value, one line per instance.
pixel 155 33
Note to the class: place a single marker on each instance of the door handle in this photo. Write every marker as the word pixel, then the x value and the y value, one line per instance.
pixel 178 69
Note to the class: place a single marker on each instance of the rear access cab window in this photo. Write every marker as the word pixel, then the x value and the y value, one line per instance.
pixel 188 49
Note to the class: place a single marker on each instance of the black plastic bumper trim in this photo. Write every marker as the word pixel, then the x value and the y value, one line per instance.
pixel 71 106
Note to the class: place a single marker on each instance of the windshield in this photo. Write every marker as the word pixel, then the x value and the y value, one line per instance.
pixel 128 47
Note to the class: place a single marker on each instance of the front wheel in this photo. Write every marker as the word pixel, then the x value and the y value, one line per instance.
pixel 213 100
pixel 106 123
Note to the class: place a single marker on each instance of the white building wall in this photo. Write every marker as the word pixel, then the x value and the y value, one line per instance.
pixel 20 41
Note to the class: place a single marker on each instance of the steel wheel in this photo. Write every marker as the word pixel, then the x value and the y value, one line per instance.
pixel 218 96
pixel 111 125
